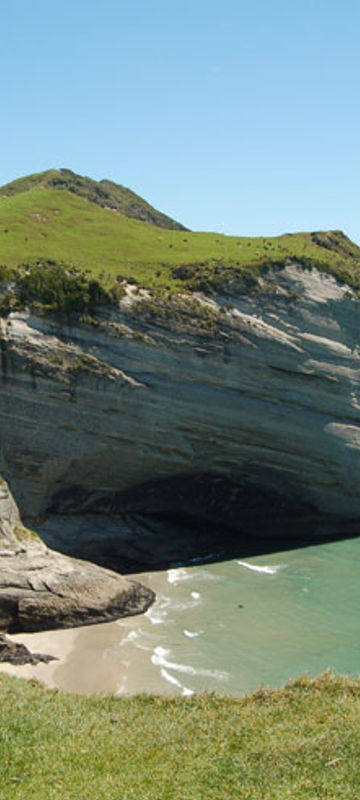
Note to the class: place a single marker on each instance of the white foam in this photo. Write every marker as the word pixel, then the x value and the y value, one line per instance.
pixel 192 634
pixel 161 651
pixel 158 612
pixel 159 659
pixel 174 576
pixel 122 689
pixel 132 635
pixel 170 678
pixel 266 570
pixel 133 638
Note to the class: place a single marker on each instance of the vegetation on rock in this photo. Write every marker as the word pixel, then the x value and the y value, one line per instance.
pixel 59 287
pixel 26 535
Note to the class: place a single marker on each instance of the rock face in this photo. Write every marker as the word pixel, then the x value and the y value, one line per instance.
pixel 242 411
pixel 42 589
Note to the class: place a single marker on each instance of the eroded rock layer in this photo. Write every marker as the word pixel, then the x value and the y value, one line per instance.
pixel 256 390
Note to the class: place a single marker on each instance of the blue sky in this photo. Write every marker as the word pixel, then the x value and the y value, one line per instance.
pixel 241 116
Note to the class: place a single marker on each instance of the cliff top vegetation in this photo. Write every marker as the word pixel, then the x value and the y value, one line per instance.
pixel 108 234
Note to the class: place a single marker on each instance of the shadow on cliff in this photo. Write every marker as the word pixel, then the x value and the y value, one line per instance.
pixel 184 520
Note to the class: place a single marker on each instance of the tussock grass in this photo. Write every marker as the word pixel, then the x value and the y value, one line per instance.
pixel 299 742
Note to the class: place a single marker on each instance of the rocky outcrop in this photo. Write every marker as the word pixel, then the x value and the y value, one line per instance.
pixel 18 654
pixel 242 411
pixel 42 589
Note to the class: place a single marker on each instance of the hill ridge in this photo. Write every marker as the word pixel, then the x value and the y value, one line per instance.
pixel 104 193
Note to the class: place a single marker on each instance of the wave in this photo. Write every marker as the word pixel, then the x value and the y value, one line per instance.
pixel 159 611
pixel 170 678
pixel 192 634
pixel 174 576
pixel 271 569
pixel 121 690
pixel 133 637
pixel 180 574
pixel 159 659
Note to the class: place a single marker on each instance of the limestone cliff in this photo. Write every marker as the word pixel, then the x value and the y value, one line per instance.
pixel 242 411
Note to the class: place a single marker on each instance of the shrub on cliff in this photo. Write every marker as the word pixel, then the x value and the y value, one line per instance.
pixel 62 288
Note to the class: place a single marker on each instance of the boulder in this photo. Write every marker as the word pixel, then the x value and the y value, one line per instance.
pixel 41 589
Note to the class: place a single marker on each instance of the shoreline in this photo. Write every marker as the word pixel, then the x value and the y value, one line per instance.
pixel 98 645
pixel 228 628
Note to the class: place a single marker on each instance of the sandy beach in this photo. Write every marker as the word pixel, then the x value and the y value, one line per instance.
pixel 227 627
pixel 96 659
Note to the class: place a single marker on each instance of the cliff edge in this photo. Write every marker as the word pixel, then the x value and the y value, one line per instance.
pixel 238 412
pixel 162 391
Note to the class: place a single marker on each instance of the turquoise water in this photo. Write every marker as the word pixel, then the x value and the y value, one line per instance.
pixel 242 624
pixel 229 627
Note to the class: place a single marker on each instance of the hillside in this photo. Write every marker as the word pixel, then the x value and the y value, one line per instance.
pixel 105 194
pixel 73 221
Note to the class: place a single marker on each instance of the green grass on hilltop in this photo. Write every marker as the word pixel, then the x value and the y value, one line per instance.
pixel 300 742
pixel 105 193
pixel 46 223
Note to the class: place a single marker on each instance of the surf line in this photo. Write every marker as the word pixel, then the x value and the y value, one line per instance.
pixel 266 570
pixel 159 659
pixel 171 679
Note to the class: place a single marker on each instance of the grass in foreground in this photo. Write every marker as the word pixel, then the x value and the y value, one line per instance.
pixel 300 742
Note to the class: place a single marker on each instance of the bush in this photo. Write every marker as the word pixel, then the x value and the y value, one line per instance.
pixel 61 288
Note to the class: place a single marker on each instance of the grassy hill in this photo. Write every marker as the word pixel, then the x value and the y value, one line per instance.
pixel 63 218
pixel 105 194
pixel 299 742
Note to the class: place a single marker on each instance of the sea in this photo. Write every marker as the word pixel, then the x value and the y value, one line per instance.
pixel 229 627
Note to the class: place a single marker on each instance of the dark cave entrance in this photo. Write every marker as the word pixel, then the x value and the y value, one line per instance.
pixel 183 520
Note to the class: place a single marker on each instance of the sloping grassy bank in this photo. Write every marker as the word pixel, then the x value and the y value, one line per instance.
pixel 300 742
pixel 46 224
